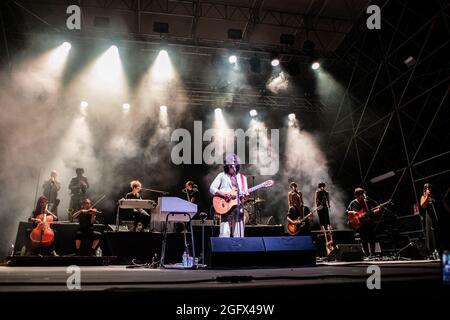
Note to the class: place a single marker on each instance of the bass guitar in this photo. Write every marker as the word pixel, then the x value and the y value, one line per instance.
pixel 354 219
pixel 223 206
pixel 294 228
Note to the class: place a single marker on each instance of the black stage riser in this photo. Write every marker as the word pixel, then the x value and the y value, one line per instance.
pixel 126 246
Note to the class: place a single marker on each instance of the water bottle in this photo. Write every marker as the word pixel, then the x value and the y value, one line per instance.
pixel 98 252
pixel 185 259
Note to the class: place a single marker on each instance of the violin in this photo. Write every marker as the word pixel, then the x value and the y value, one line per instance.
pixel 43 234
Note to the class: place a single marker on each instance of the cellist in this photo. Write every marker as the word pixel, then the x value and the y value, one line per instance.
pixel 37 216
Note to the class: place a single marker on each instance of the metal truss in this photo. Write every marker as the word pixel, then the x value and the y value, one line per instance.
pixel 397 117
pixel 248 12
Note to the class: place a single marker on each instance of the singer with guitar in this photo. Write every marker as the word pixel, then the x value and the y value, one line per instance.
pixel 360 214
pixel 232 222
pixel 86 217
pixel 298 216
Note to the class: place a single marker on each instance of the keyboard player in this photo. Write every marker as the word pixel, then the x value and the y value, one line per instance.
pixel 141 217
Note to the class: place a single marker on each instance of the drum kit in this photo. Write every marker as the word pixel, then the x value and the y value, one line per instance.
pixel 251 208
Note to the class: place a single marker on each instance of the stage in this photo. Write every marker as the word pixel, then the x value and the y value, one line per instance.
pixel 397 277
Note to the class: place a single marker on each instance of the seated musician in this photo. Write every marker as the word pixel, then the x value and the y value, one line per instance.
pixel 86 217
pixel 297 210
pixel 367 228
pixel 37 216
pixel 141 217
pixel 192 195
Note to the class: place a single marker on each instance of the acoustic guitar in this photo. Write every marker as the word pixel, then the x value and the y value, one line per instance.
pixel 223 206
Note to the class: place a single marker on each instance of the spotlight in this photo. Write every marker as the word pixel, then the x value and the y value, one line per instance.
pixel 218 111
pixel 126 107
pixel 274 59
pixel 66 45
pixel 232 59
pixel 291 116
pixel 253 113
pixel 84 104
pixel 163 108
pixel 315 66
pixel 114 48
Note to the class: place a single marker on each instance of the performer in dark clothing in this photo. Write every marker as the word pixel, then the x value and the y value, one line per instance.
pixel 192 195
pixel 141 217
pixel 78 187
pixel 51 188
pixel 192 192
pixel 297 210
pixel 436 213
pixel 322 200
pixel 367 228
pixel 86 217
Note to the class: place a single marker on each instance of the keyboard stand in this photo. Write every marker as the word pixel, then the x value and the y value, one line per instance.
pixel 177 217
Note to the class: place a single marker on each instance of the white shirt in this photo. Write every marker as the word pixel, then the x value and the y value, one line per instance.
pixel 223 183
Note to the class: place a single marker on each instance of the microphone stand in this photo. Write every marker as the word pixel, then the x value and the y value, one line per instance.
pixel 156 191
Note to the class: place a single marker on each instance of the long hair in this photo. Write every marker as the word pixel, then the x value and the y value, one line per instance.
pixel 231 159
pixel 37 210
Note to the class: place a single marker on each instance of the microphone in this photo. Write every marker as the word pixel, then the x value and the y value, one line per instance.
pixel 184 190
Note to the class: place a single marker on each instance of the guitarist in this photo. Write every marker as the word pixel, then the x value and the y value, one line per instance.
pixel 232 223
pixel 367 228
pixel 297 210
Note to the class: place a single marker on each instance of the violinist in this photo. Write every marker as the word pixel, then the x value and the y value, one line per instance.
pixel 42 235
pixel 78 188
pixel 86 217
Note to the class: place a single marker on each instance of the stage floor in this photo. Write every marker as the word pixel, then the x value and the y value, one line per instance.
pixel 101 278
pixel 327 288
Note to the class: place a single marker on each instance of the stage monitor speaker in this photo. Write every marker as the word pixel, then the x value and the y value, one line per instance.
pixel 262 252
pixel 236 252
pixel 290 251
pixel 347 252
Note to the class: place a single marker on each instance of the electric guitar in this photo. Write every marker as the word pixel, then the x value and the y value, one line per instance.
pixel 223 206
pixel 354 219
pixel 294 228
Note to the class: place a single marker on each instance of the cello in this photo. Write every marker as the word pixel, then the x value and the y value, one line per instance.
pixel 43 234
